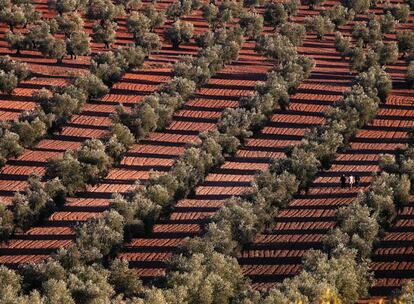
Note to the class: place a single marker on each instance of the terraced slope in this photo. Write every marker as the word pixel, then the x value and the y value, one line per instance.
pixel 157 151
pixel 276 254
pixel 148 255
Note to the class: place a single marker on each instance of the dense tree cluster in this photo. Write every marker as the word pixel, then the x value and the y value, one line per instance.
pixel 219 16
pixel 369 49
pixel 276 14
pixel 11 73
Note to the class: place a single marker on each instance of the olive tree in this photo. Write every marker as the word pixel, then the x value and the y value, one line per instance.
pixel 67 6
pixel 180 32
pixel 156 17
pixel 138 24
pixel 387 52
pixel 320 25
pixel 53 48
pixel 70 23
pixel 405 41
pixel 103 10
pixel 104 33
pixel 387 22
pixel 29 131
pixel 401 12
pixel 78 44
pixel 252 23
pixel 17 41
pixel 277 47
pixel 359 6
pixel 275 14
pixel 314 3
pixel 342 44
pixel 9 145
pixel 68 169
pixel 6 223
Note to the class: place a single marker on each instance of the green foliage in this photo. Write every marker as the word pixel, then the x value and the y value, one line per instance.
pixel 410 74
pixel 180 32
pixel 340 273
pixel 342 44
pixel 8 82
pixel 400 12
pixel 68 169
pixel 6 223
pixel 387 23
pixel 179 8
pixel 314 3
pixel 406 294
pixel 17 41
pixel 94 161
pixel 29 131
pixel 97 237
pixel 359 6
pixel 92 85
pixel 52 47
pixel 320 25
pixel 78 44
pixel 101 10
pixel 252 23
pixel 275 14
pixel 9 145
pixel 104 32
pixel 13 16
pixel 339 15
pixel 156 17
pixel 226 11
pixel 124 280
pixel 295 32
pixel 277 47
pixel 375 79
pixel 405 41
pixel 88 285
pixel 207 278
pixel 70 23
